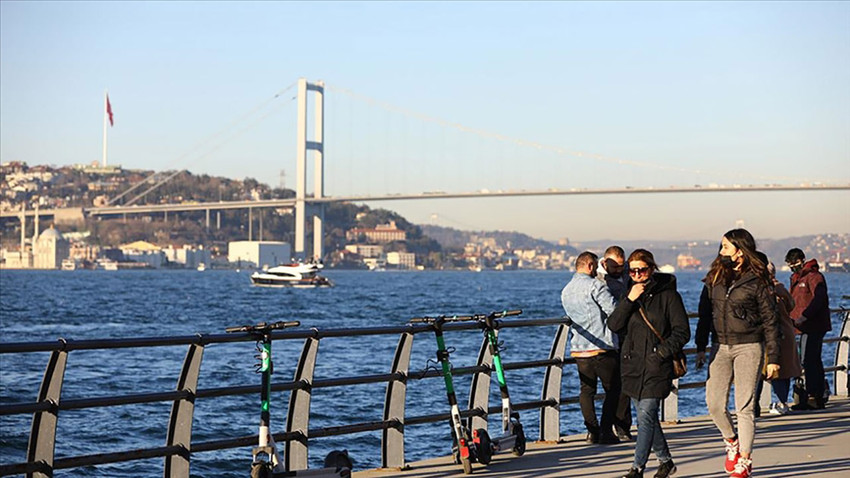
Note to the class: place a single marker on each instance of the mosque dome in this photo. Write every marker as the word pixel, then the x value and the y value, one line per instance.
pixel 49 234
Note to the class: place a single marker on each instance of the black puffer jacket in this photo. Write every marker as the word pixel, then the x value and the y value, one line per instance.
pixel 745 313
pixel 646 363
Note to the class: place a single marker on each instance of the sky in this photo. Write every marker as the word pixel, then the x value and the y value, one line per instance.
pixel 458 96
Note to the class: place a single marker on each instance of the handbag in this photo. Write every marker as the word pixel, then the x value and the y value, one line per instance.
pixel 680 361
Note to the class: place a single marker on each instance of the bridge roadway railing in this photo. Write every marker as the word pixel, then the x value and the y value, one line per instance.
pixel 179 447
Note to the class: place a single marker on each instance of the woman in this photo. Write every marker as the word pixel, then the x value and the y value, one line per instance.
pixel 744 318
pixel 646 361
pixel 789 365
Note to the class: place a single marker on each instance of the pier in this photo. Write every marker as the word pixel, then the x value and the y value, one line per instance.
pixel 811 443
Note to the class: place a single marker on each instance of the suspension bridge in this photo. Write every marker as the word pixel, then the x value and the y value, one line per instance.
pixel 443 168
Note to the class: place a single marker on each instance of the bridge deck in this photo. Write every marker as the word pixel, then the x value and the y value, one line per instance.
pixel 813 443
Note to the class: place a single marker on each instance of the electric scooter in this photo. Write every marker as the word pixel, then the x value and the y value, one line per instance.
pixel 466 447
pixel 267 462
pixel 513 438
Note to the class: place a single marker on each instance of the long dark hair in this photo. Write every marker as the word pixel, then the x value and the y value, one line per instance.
pixel 744 242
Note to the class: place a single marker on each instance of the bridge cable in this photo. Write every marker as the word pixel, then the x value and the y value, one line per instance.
pixel 200 144
pixel 544 147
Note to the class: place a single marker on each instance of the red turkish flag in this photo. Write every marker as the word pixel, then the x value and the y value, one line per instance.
pixel 109 110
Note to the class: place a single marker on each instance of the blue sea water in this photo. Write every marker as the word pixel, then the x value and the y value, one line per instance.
pixel 46 305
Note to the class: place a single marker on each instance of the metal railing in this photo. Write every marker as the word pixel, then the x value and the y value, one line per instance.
pixel 179 447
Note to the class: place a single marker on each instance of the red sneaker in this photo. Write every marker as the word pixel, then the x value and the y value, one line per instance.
pixel 732 455
pixel 743 469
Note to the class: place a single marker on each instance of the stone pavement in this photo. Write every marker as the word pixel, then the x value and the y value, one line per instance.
pixel 813 443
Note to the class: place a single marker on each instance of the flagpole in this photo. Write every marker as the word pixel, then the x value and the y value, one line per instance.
pixel 105 119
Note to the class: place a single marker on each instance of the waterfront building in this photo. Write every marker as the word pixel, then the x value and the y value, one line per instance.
pixel 402 260
pixel 50 250
pixel 258 253
pixel 189 256
pixel 143 253
pixel 365 250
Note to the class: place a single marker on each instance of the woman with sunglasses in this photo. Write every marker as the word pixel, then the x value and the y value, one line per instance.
pixel 744 317
pixel 646 363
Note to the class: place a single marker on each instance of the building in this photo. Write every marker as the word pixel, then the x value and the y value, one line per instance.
pixel 50 250
pixel 143 253
pixel 402 260
pixel 188 256
pixel 382 233
pixel 365 250
pixel 258 253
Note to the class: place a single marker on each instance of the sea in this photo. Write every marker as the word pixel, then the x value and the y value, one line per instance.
pixel 47 305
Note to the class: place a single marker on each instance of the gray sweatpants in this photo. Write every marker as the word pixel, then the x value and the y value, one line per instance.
pixel 742 362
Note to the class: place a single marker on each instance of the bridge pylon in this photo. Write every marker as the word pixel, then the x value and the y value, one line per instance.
pixel 303 144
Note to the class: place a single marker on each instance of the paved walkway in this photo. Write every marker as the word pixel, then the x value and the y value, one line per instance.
pixel 814 443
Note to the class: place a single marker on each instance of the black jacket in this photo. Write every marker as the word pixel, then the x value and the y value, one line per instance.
pixel 646 364
pixel 745 313
pixel 705 324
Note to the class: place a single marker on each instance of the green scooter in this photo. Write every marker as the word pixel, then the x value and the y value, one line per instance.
pixel 466 447
pixel 513 438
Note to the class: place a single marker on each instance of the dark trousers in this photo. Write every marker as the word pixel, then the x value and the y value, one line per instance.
pixel 811 349
pixel 603 368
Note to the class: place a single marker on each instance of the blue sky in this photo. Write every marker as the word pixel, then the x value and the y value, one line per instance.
pixel 667 93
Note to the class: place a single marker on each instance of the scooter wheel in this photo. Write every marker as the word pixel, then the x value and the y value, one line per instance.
pixel 483 446
pixel 519 444
pixel 467 465
pixel 261 470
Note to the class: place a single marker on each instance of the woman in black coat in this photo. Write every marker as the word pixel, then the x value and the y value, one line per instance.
pixel 646 361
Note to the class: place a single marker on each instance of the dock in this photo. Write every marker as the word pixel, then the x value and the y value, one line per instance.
pixel 809 443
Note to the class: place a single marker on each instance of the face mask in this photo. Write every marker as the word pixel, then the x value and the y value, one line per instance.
pixel 797 268
pixel 727 262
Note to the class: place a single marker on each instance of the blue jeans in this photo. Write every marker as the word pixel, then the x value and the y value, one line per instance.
pixel 649 434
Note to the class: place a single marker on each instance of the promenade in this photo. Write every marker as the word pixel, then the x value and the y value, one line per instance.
pixel 812 443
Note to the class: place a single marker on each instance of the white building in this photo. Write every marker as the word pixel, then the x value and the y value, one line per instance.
pixel 50 250
pixel 259 253
pixel 188 256
pixel 402 260
pixel 143 252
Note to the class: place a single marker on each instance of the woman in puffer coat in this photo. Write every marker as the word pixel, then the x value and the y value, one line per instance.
pixel 646 363
pixel 743 309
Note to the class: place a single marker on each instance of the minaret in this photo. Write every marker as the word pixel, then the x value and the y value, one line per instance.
pixel 35 233
pixel 23 227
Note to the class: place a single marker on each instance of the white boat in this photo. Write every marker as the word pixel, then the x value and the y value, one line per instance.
pixel 202 267
pixel 298 275
pixel 69 264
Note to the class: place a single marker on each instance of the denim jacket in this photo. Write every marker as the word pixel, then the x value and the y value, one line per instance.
pixel 588 303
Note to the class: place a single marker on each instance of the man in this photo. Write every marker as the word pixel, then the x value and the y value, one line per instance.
pixel 812 320
pixel 588 303
pixel 613 261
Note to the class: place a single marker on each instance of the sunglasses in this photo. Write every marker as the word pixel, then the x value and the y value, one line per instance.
pixel 639 271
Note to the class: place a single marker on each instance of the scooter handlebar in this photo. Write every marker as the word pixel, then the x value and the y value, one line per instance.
pixel 442 318
pixel 262 326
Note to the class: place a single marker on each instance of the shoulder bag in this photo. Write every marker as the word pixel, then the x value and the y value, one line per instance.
pixel 680 361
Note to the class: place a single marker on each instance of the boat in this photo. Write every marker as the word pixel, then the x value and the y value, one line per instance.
pixel 202 267
pixel 69 264
pixel 299 275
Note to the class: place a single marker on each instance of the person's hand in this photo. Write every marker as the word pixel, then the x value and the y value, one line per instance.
pixel 700 359
pixel 772 371
pixel 636 291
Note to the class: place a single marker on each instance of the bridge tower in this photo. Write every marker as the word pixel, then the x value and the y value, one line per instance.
pixel 316 210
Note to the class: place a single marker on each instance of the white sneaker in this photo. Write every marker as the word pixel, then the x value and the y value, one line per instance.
pixel 774 409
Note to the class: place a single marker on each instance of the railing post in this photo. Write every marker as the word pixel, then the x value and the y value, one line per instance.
pixel 298 416
pixel 670 405
pixel 842 352
pixel 392 440
pixel 182 413
pixel 479 389
pixel 550 415
pixel 43 434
